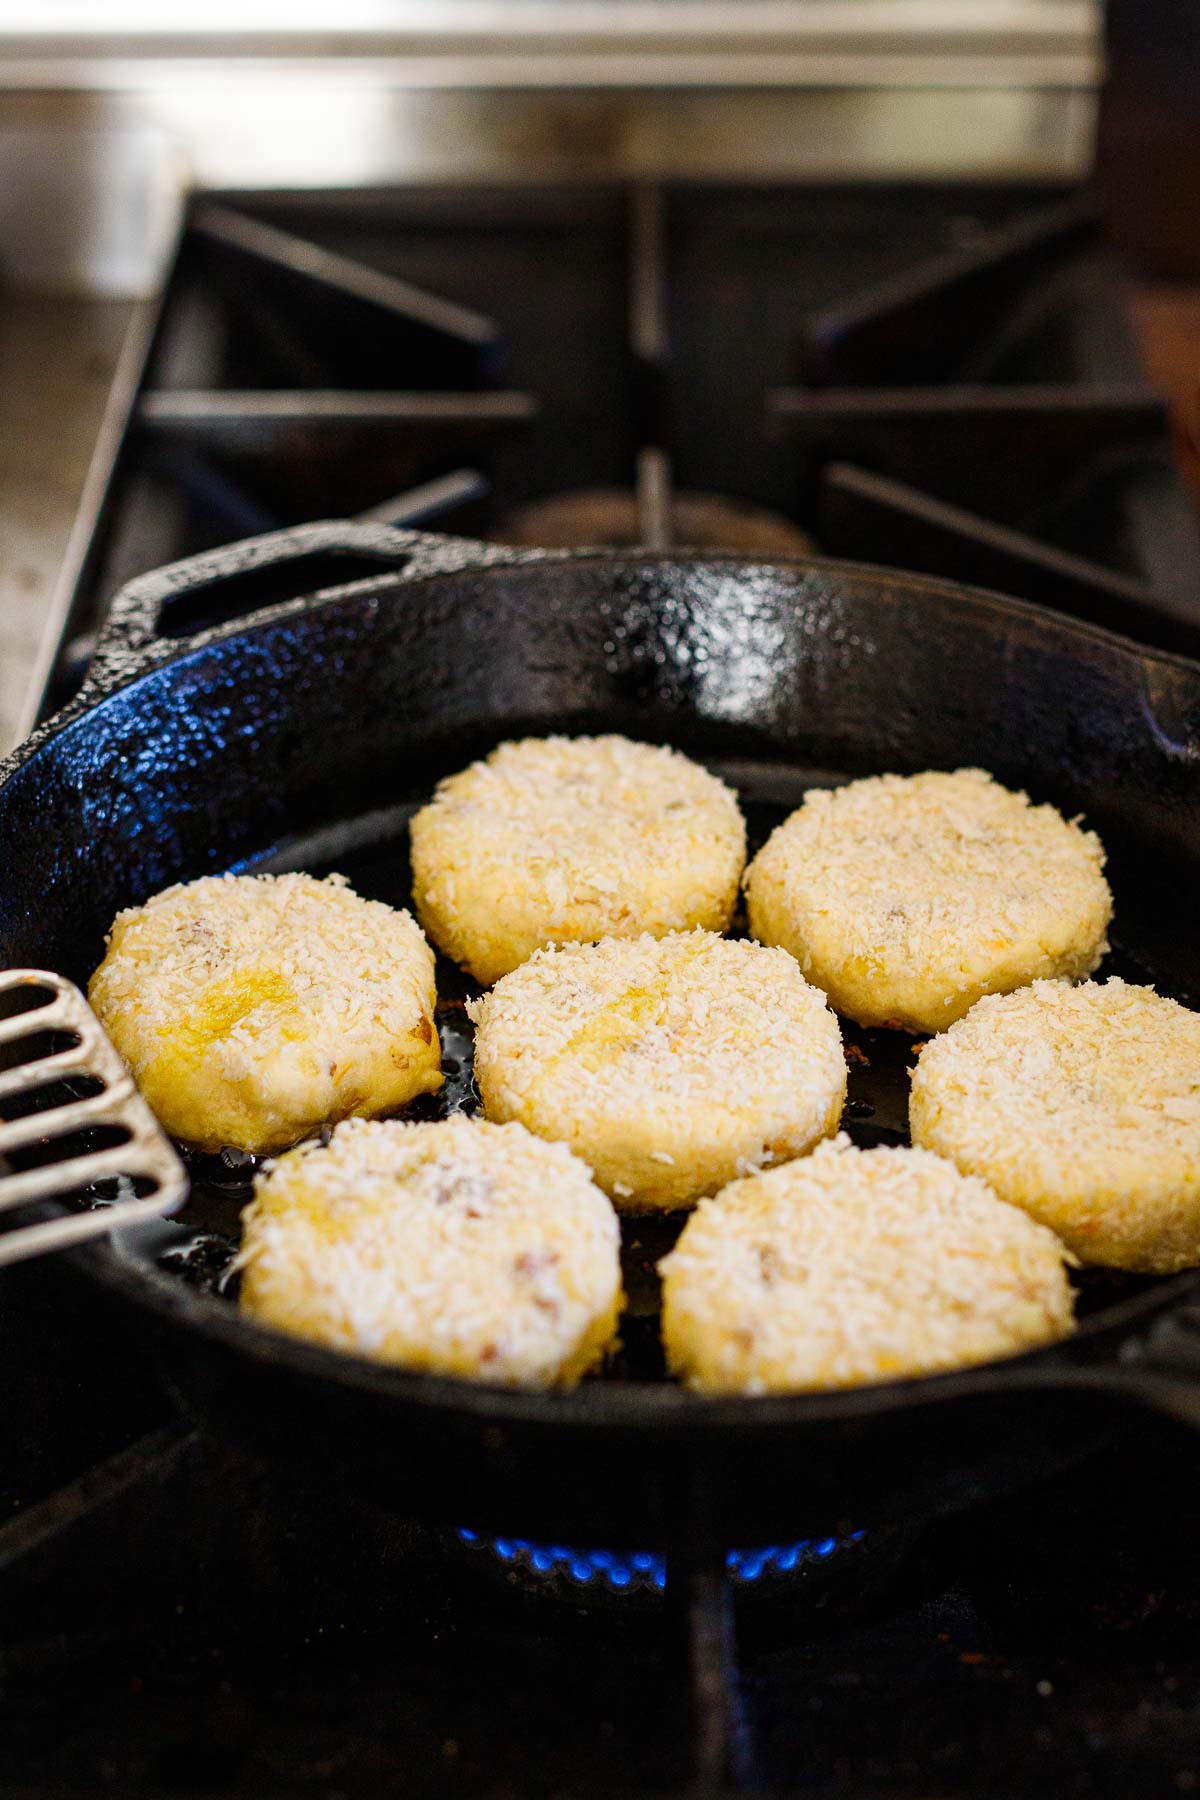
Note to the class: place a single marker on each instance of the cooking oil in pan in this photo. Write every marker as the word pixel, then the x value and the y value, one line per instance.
pixel 372 852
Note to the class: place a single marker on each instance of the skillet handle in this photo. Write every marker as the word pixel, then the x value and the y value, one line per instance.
pixel 158 614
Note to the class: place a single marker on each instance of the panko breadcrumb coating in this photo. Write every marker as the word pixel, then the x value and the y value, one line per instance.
pixel 563 840
pixel 908 897
pixel 458 1248
pixel 669 1065
pixel 253 1009
pixel 1081 1105
pixel 856 1266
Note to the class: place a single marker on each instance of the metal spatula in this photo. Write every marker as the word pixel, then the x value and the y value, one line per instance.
pixel 70 1118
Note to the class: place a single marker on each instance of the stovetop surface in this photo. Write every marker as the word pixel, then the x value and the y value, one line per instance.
pixel 184 1621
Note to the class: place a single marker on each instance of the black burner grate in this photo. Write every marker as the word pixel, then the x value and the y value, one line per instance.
pixel 185 1621
pixel 943 378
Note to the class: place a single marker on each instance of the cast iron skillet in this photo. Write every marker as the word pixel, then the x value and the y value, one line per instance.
pixel 371 660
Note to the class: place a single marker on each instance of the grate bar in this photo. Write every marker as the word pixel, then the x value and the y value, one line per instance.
pixel 880 519
pixel 205 411
pixel 429 501
pixel 650 353
pixel 314 266
pixel 699 1586
pixel 654 498
pixel 921 324
pixel 146 1156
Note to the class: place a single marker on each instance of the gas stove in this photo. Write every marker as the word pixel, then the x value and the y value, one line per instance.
pixel 938 377
pixel 935 376
pixel 181 1620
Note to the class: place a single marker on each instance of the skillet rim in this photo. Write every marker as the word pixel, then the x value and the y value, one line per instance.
pixel 131 647
pixel 604 1406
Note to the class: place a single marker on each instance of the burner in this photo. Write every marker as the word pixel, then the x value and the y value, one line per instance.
pixel 563 1570
pixel 613 516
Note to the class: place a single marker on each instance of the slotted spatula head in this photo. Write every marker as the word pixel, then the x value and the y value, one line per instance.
pixel 73 1126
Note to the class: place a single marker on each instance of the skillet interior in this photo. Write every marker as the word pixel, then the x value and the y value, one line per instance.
pixel 257 747
pixel 198 1246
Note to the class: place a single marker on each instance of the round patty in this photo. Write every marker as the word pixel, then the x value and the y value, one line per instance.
pixel 254 1009
pixel 856 1266
pixel 459 1247
pixel 564 840
pixel 907 897
pixel 669 1065
pixel 1081 1105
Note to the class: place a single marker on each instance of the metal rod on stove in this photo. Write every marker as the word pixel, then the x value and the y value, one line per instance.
pixel 653 476
pixel 312 263
pixel 37 1531
pixel 872 516
pixel 220 412
pixel 700 1593
pixel 428 501
pixel 227 501
pixel 724 1753
pixel 647 314
pixel 649 344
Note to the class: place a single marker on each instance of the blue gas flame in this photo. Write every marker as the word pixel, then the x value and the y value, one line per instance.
pixel 623 1571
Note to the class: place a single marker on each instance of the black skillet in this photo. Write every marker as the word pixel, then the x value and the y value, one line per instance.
pixel 286 701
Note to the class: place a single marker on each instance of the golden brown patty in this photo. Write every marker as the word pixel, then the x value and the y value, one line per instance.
pixel 856 1266
pixel 254 1009
pixel 907 897
pixel 1081 1105
pixel 563 840
pixel 669 1065
pixel 462 1248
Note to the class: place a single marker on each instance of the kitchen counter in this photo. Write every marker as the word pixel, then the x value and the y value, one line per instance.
pixel 57 360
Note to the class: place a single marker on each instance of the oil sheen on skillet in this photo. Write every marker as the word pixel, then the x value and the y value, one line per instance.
pixel 375 860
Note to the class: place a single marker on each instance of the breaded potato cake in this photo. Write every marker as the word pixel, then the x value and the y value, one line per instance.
pixel 856 1266
pixel 1082 1106
pixel 564 840
pixel 252 1009
pixel 907 897
pixel 459 1248
pixel 669 1065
